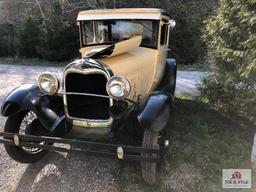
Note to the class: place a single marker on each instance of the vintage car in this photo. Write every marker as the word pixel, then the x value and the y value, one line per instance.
pixel 114 102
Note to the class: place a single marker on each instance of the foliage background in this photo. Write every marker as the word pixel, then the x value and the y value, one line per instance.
pixel 231 39
pixel 47 29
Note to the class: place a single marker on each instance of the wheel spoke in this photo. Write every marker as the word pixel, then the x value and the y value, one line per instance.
pixel 27 120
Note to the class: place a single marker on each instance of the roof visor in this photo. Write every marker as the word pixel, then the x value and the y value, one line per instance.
pixel 103 14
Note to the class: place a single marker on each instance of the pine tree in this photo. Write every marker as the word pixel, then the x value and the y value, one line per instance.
pixel 231 38
pixel 8 40
pixel 28 35
pixel 59 38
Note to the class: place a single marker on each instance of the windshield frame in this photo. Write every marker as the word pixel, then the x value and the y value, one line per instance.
pixel 155 24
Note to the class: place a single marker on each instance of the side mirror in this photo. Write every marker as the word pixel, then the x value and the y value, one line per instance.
pixel 172 23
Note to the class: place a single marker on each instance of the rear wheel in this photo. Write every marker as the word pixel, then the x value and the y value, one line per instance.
pixel 25 123
pixel 150 169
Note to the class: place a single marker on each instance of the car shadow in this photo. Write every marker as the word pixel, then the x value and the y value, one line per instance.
pixel 68 172
pixel 46 169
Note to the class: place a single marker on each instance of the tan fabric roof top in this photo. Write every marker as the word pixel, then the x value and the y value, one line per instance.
pixel 138 13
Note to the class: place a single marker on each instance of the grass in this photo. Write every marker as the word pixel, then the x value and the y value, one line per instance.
pixel 203 142
pixel 209 141
pixel 31 62
pixel 194 67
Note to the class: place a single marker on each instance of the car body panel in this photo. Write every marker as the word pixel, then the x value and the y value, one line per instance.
pixel 118 48
pixel 155 111
pixel 19 99
pixel 135 66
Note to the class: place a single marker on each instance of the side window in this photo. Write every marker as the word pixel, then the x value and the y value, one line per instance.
pixel 164 34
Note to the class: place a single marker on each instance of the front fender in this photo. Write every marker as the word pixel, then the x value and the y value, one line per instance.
pixel 154 113
pixel 49 109
pixel 20 99
pixel 168 82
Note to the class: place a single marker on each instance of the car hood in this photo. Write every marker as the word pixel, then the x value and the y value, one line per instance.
pixel 139 66
pixel 103 51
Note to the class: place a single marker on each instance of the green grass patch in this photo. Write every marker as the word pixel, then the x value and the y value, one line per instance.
pixel 208 141
pixel 194 67
pixel 31 62
pixel 203 142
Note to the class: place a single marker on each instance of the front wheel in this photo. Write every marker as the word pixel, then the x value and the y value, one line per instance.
pixel 25 123
pixel 149 169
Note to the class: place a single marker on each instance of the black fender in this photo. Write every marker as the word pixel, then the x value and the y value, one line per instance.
pixel 168 82
pixel 154 112
pixel 49 109
pixel 20 99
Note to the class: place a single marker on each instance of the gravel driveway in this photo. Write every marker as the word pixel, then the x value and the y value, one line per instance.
pixel 68 172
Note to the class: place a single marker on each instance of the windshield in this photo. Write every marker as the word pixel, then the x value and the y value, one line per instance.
pixel 113 31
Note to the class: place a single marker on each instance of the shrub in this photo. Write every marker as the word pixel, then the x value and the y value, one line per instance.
pixel 59 38
pixel 8 40
pixel 29 33
pixel 186 43
pixel 231 39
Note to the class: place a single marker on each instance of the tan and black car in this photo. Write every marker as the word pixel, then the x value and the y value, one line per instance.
pixel 114 102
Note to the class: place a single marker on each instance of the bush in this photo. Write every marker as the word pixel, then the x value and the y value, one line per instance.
pixel 59 38
pixel 29 33
pixel 8 41
pixel 186 43
pixel 231 39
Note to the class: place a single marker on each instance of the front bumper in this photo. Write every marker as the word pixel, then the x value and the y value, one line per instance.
pixel 132 153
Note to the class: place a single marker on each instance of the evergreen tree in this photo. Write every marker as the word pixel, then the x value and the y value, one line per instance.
pixel 8 40
pixel 29 33
pixel 231 37
pixel 59 39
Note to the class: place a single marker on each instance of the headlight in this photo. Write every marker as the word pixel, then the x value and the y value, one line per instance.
pixel 172 23
pixel 118 87
pixel 48 83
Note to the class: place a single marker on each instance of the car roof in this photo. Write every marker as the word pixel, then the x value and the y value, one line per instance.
pixel 128 13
